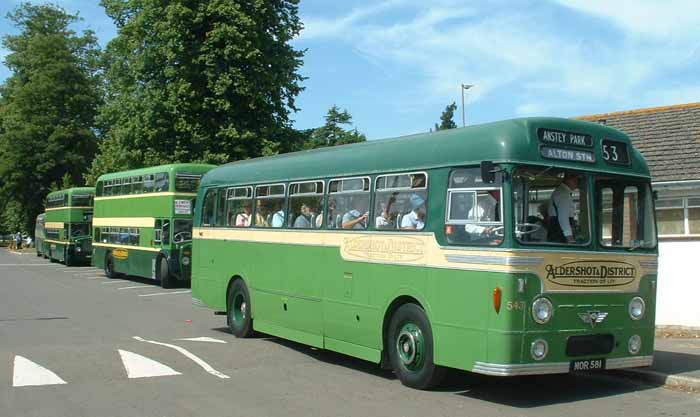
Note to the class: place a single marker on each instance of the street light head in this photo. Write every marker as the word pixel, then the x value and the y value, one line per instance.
pixel 467 86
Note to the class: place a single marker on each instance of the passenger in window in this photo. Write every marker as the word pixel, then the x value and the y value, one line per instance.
pixel 243 219
pixel 330 216
pixel 278 217
pixel 484 211
pixel 561 211
pixel 354 219
pixel 415 220
pixel 260 211
pixel 385 220
pixel 303 220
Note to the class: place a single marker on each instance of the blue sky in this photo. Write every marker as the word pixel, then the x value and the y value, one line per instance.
pixel 395 64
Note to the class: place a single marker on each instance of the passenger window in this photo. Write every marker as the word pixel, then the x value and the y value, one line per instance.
pixel 348 203
pixel 149 183
pixel 474 209
pixel 239 207
pixel 208 208
pixel 269 206
pixel 162 183
pixel 306 205
pixel 220 209
pixel 400 202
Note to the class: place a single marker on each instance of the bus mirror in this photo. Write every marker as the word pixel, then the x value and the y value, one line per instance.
pixel 488 172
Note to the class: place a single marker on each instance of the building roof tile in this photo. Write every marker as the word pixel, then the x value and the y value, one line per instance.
pixel 668 137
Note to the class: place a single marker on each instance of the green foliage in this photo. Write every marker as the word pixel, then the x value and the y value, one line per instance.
pixel 332 132
pixel 447 118
pixel 47 109
pixel 201 81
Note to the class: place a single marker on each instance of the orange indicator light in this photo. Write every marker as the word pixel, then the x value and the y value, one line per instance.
pixel 497 299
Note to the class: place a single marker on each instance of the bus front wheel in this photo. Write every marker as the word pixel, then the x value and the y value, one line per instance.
pixel 238 310
pixel 410 347
pixel 166 281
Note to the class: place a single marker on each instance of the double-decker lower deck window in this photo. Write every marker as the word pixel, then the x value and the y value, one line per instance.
pixel 400 201
pixel 348 203
pixel 128 236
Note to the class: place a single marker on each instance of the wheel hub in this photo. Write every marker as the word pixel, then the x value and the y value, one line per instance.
pixel 410 346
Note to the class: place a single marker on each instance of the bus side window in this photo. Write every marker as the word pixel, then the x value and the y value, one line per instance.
pixel 208 208
pixel 157 233
pixel 165 236
pixel 161 182
pixel 220 206
pixel 149 183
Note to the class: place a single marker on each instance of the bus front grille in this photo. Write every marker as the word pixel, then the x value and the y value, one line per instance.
pixel 597 344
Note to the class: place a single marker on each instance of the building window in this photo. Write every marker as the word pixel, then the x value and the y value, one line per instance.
pixel 678 216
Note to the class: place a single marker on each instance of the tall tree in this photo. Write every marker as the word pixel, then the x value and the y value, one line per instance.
pixel 47 109
pixel 332 132
pixel 447 118
pixel 198 80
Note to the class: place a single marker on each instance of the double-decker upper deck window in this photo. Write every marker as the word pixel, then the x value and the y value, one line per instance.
pixel 269 205
pixel 348 203
pixel 239 206
pixel 82 200
pixel 187 183
pixel 162 182
pixel 551 206
pixel 400 201
pixel 474 209
pixel 306 205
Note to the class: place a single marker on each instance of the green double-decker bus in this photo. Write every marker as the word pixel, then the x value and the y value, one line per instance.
pixel 519 247
pixel 143 222
pixel 67 224
pixel 39 235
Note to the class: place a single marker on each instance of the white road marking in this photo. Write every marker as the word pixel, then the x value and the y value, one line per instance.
pixel 138 366
pixel 165 293
pixel 27 373
pixel 136 286
pixel 188 354
pixel 114 281
pixel 203 339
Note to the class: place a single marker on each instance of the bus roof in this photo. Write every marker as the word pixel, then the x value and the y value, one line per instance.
pixel 169 168
pixel 513 140
pixel 73 191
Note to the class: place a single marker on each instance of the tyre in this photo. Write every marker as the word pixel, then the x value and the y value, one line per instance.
pixel 166 280
pixel 109 266
pixel 410 348
pixel 239 310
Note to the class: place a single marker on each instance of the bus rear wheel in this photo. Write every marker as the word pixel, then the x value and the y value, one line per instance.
pixel 109 266
pixel 410 348
pixel 239 310
pixel 166 281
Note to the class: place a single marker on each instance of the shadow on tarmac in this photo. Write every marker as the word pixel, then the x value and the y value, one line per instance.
pixel 519 392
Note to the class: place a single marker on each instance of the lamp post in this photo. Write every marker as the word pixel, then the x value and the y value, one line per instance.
pixel 464 87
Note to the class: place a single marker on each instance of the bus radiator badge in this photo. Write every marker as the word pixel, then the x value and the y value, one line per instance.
pixel 593 317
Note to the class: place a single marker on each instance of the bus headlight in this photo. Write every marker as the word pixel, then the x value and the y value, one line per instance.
pixel 185 260
pixel 636 308
pixel 634 344
pixel 542 310
pixel 78 249
pixel 539 349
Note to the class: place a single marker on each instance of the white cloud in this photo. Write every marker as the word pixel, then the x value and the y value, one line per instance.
pixel 445 44
pixel 667 19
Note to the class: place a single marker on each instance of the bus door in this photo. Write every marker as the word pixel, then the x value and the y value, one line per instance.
pixel 161 241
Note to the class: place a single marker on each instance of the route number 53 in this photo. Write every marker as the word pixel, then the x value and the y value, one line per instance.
pixel 610 153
